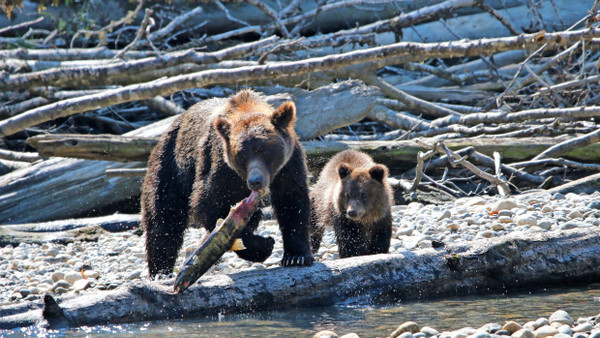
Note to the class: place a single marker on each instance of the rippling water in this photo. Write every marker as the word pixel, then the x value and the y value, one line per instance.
pixel 446 314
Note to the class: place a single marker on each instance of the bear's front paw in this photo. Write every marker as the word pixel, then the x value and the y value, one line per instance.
pixel 258 248
pixel 297 260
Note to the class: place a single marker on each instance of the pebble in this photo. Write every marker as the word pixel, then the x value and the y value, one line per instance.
pixel 505 204
pixel 508 213
pixel 525 220
pixel 512 326
pixel 523 333
pixel 561 317
pixel 325 334
pixel 541 322
pixel 72 276
pixel 545 331
pixel 545 224
pixel 350 335
pixel 497 227
pixel 410 327
pixel 81 284
pixel 429 331
pixel 57 275
pixel 583 327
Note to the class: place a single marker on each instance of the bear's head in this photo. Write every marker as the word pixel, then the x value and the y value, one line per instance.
pixel 363 193
pixel 258 139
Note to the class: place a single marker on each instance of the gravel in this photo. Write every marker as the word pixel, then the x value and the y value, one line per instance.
pixel 29 271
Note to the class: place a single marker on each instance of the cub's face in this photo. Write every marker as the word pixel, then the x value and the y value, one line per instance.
pixel 362 196
pixel 258 145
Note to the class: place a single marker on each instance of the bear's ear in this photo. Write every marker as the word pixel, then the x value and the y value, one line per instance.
pixel 344 170
pixel 378 172
pixel 284 116
pixel 223 126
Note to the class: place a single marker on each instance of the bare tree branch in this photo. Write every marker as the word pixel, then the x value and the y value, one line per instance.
pixel 270 71
pixel 524 115
pixel 21 25
pixel 19 156
pixel 86 75
pixel 566 146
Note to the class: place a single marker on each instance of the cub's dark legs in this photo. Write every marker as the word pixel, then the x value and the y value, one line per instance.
pixel 382 236
pixel 316 236
pixel 350 238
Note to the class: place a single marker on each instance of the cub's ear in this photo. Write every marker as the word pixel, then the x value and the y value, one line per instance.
pixel 344 170
pixel 284 116
pixel 378 172
pixel 223 126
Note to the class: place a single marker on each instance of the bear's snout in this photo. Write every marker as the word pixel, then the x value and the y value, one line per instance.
pixel 355 210
pixel 257 178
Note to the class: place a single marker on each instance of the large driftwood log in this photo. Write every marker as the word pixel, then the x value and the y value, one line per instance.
pixel 94 147
pixel 396 154
pixel 513 261
pixel 586 185
pixel 112 223
pixel 66 231
pixel 14 237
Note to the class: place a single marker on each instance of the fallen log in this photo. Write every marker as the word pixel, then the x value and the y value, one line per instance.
pixel 514 261
pixel 585 185
pixel 66 231
pixel 14 238
pixel 94 147
pixel 111 223
pixel 397 154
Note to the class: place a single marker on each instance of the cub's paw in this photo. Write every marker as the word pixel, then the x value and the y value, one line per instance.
pixel 297 260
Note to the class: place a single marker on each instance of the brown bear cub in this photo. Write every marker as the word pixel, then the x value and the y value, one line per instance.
pixel 209 159
pixel 353 194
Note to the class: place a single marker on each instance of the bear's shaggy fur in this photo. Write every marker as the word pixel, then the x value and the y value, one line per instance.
pixel 209 159
pixel 353 195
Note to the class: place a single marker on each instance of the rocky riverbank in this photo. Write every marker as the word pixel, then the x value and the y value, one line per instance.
pixel 28 271
pixel 558 325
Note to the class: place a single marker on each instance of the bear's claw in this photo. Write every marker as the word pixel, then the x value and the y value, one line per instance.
pixel 305 260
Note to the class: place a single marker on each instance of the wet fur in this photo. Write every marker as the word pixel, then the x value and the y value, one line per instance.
pixel 355 173
pixel 196 173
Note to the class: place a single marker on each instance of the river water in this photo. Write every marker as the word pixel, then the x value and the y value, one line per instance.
pixel 367 321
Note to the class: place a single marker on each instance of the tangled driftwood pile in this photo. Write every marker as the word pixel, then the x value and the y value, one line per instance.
pixel 506 89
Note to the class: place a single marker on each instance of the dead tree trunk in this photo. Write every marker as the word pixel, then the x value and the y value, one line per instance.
pixel 517 260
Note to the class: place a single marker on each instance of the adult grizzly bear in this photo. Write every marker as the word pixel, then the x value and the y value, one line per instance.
pixel 209 159
pixel 353 195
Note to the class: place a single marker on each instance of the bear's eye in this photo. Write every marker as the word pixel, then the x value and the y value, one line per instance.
pixel 347 196
pixel 260 150
pixel 363 196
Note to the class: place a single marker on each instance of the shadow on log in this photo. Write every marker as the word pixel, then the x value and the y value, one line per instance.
pixel 513 261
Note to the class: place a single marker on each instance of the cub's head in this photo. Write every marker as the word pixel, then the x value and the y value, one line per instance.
pixel 364 194
pixel 258 140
